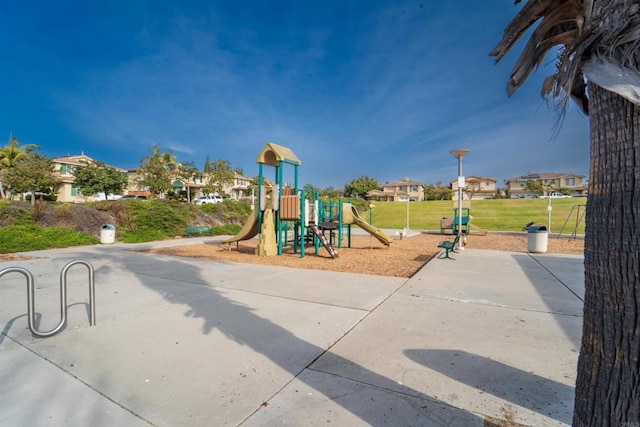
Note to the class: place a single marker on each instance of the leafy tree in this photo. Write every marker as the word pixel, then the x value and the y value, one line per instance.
pixel 255 181
pixel 437 192
pixel 9 155
pixel 167 158
pixel 155 171
pixel 207 166
pixel 221 176
pixel 97 177
pixel 32 173
pixel 310 191
pixel 361 186
pixel 532 185
pixel 430 192
pixel 189 172
pixel 329 193
pixel 598 66
pixel 239 171
pixel 472 187
pixel 548 186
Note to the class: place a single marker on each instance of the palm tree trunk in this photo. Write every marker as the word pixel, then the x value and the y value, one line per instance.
pixel 608 378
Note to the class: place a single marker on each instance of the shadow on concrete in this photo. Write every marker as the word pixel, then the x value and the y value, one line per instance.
pixel 240 323
pixel 243 325
pixel 500 380
pixel 560 292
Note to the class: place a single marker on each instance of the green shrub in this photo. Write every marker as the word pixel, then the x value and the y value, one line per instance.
pixel 141 236
pixel 103 205
pixel 226 230
pixel 43 197
pixel 144 221
pixel 22 238
pixel 13 214
pixel 161 217
pixel 209 208
pixel 229 211
pixel 237 212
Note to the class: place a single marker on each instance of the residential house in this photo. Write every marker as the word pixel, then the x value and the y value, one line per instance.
pixel 64 167
pixel 476 188
pixel 178 184
pixel 193 185
pixel 240 188
pixel 549 181
pixel 133 186
pixel 399 191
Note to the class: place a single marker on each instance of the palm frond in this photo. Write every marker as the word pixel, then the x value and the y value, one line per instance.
pixel 534 53
pixel 585 30
pixel 561 24
pixel 533 11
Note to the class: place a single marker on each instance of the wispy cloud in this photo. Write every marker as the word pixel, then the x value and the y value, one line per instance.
pixel 355 89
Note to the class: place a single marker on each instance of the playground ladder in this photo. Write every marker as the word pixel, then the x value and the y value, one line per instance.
pixel 31 305
pixel 332 251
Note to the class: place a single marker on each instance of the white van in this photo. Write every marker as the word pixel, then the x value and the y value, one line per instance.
pixel 211 198
pixel 555 195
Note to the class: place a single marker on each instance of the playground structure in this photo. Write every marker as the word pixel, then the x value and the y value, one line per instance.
pixel 449 225
pixel 284 212
pixel 462 222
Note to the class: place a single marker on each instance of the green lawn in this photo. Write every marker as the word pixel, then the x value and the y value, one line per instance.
pixel 492 215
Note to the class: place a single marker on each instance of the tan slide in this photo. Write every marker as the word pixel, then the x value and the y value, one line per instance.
pixel 248 231
pixel 350 215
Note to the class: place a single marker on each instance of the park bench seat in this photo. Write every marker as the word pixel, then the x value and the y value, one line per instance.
pixel 194 230
pixel 449 245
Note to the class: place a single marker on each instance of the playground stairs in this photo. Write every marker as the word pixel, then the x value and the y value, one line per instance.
pixel 308 237
pixel 328 246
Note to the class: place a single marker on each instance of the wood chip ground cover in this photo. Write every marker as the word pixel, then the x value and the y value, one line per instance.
pixel 366 255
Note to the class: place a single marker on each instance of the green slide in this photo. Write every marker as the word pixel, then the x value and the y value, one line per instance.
pixel 350 215
pixel 248 231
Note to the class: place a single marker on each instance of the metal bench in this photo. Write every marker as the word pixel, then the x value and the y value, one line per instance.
pixel 194 230
pixel 446 224
pixel 449 246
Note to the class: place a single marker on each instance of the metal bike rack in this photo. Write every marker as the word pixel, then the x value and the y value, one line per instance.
pixel 31 305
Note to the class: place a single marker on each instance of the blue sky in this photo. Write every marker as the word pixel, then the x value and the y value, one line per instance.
pixel 379 88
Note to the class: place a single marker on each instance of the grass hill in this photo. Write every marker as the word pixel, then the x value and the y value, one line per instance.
pixel 492 215
pixel 49 225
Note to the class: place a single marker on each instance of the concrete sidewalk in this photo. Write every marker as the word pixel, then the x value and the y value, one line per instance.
pixel 183 341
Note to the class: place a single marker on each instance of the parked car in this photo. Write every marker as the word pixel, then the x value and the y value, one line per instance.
pixel 211 198
pixel 111 197
pixel 555 195
pixel 579 195
pixel 133 197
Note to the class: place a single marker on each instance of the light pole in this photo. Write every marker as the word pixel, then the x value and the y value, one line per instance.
pixel 549 209
pixel 371 206
pixel 407 212
pixel 459 155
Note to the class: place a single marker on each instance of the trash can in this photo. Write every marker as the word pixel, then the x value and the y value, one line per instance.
pixel 108 234
pixel 538 238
